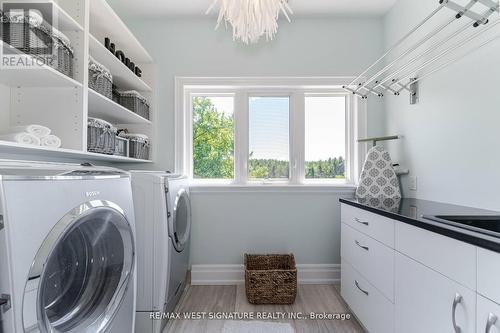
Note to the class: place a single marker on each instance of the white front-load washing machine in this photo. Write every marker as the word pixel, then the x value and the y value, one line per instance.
pixel 163 222
pixel 67 249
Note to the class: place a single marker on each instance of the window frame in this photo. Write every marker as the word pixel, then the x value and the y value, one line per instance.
pixel 244 88
pixel 348 139
pixel 269 93
pixel 189 128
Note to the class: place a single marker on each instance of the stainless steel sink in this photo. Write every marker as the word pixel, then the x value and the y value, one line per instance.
pixel 489 225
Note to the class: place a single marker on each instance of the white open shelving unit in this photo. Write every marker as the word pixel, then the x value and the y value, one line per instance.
pixel 46 97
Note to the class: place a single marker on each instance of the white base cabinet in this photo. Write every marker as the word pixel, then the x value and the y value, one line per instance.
pixel 427 301
pixel 403 279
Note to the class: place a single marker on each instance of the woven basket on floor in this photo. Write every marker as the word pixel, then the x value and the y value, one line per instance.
pixel 270 279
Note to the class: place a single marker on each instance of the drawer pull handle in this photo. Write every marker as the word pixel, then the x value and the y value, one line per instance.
pixel 457 300
pixel 492 320
pixel 360 289
pixel 361 222
pixel 361 246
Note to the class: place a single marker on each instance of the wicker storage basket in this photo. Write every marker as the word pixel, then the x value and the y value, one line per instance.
pixel 100 79
pixel 138 145
pixel 30 34
pixel 135 102
pixel 121 146
pixel 101 136
pixel 270 279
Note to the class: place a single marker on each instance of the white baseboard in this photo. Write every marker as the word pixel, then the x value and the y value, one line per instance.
pixel 234 274
pixel 217 275
pixel 319 274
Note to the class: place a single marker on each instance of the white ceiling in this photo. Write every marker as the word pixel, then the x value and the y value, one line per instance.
pixel 301 8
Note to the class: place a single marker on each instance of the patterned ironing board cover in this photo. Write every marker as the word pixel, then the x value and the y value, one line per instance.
pixel 379 183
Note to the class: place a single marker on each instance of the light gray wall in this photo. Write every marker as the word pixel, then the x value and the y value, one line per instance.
pixel 452 138
pixel 226 225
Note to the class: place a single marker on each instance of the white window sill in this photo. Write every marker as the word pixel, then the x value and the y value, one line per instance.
pixel 340 189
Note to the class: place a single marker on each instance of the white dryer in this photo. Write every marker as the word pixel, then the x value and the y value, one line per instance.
pixel 67 249
pixel 163 222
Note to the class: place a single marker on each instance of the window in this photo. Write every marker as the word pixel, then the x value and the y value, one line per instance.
pixel 325 137
pixel 213 137
pixel 269 146
pixel 267 131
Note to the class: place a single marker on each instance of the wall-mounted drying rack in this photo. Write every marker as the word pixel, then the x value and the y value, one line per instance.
pixel 405 70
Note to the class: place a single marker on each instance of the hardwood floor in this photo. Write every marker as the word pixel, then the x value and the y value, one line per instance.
pixel 229 299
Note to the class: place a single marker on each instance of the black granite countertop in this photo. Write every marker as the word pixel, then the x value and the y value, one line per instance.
pixel 412 211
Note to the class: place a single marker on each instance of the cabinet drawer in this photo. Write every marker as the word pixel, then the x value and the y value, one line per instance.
pixel 452 258
pixel 373 310
pixel 373 225
pixel 488 273
pixel 488 316
pixel 372 259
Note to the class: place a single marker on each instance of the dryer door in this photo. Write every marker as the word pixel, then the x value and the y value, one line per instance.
pixel 80 274
pixel 180 221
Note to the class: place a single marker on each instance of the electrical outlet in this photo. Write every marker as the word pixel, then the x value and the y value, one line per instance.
pixel 413 183
pixel 414 212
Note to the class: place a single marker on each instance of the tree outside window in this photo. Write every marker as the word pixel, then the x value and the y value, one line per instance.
pixel 213 137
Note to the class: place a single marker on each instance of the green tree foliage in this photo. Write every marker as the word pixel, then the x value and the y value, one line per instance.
pixel 331 168
pixel 213 150
pixel 213 141
pixel 268 169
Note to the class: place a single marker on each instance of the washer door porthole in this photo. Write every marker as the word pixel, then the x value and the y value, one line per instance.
pixel 81 272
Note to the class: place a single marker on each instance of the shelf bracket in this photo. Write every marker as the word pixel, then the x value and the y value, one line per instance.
pixel 414 91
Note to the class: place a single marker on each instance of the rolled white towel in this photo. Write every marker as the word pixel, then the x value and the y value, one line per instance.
pixel 22 137
pixel 37 130
pixel 51 141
